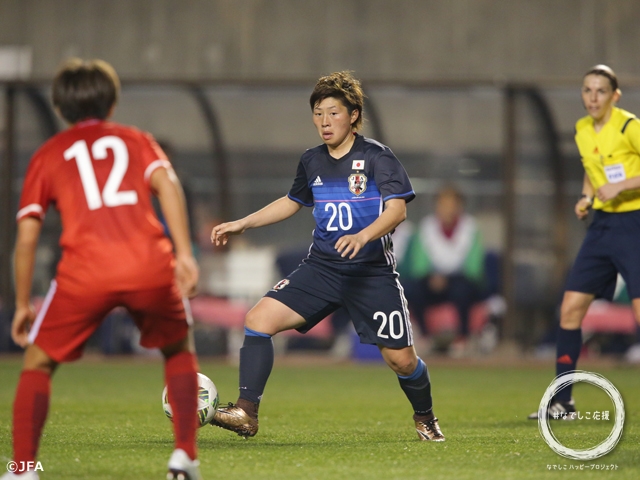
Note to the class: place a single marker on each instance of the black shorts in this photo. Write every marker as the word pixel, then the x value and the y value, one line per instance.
pixel 372 296
pixel 611 246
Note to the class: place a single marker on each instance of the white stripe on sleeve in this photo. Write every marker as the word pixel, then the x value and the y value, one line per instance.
pixel 152 167
pixel 32 208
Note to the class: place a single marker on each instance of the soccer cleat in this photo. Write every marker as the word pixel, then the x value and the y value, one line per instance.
pixel 30 475
pixel 558 411
pixel 181 467
pixel 429 430
pixel 234 418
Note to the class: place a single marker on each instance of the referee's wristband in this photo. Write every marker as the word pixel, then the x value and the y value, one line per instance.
pixel 584 195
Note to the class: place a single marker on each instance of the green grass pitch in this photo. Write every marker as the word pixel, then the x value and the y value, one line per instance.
pixel 347 421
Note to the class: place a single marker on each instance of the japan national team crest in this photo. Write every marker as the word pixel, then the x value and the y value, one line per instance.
pixel 357 183
pixel 280 285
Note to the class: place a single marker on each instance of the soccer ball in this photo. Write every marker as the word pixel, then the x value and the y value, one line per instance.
pixel 208 400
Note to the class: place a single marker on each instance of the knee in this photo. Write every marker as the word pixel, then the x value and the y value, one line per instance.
pixel 36 359
pixel 571 314
pixel 184 345
pixel 636 310
pixel 403 365
pixel 254 320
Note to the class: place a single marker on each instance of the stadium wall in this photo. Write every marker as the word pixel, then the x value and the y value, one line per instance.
pixel 379 39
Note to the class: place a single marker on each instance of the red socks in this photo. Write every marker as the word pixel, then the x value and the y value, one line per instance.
pixel 30 413
pixel 182 385
pixel 31 406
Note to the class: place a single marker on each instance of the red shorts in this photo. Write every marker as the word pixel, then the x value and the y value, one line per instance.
pixel 66 321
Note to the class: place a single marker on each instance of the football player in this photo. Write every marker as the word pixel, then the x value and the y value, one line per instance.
pixel 359 191
pixel 100 175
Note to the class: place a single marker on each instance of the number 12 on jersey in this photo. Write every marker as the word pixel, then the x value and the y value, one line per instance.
pixel 110 196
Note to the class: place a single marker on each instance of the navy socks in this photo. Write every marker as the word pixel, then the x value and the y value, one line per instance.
pixel 256 362
pixel 417 388
pixel 568 350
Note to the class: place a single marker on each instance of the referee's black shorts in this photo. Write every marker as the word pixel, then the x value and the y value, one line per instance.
pixel 611 246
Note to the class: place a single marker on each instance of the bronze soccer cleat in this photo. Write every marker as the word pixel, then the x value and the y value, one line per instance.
pixel 429 430
pixel 234 418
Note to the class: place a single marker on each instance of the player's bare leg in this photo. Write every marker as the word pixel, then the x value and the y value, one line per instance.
pixel 635 304
pixel 633 353
pixel 270 316
pixel 267 318
pixel 414 381
pixel 36 359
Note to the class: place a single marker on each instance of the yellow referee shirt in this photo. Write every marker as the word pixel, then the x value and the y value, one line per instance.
pixel 611 155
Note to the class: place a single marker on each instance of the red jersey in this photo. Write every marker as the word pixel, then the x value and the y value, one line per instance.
pixel 96 174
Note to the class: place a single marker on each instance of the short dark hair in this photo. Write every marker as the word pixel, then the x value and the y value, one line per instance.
pixel 604 71
pixel 344 87
pixel 85 89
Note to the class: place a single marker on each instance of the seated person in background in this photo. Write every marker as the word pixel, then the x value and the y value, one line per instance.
pixel 444 261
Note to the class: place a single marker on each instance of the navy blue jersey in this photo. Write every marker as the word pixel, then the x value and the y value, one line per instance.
pixel 348 195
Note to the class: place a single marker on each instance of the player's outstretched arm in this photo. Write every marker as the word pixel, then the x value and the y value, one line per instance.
pixel 275 212
pixel 394 214
pixel 166 186
pixel 24 261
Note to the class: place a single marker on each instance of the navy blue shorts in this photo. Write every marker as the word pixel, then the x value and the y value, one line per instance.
pixel 372 296
pixel 611 246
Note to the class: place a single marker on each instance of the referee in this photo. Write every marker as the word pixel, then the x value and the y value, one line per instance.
pixel 609 142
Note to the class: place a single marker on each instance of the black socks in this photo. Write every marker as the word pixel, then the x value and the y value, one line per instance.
pixel 568 350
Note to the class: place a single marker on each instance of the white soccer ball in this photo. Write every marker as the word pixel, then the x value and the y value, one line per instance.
pixel 208 400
